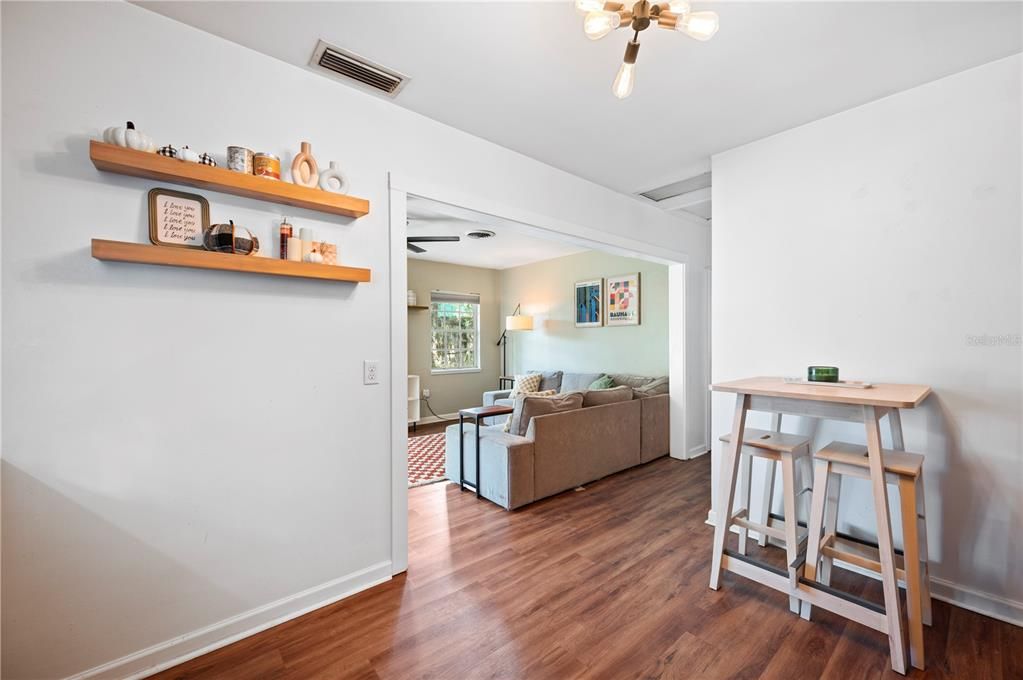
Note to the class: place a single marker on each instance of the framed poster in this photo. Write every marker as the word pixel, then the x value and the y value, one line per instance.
pixel 623 300
pixel 587 303
pixel 177 219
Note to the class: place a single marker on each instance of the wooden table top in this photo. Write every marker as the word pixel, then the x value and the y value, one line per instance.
pixel 879 394
pixel 483 411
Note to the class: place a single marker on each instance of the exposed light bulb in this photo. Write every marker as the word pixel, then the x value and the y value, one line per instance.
pixel 624 81
pixel 598 24
pixel 699 25
pixel 678 7
pixel 585 6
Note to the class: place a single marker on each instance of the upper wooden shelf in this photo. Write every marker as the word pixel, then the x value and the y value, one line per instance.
pixel 154 166
pixel 143 253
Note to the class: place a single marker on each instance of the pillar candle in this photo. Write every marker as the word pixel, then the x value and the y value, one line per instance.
pixel 294 249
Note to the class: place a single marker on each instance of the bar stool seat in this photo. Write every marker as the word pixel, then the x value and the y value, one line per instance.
pixel 775 447
pixel 902 469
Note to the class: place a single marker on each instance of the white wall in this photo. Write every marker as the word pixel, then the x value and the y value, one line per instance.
pixel 166 471
pixel 881 240
pixel 547 291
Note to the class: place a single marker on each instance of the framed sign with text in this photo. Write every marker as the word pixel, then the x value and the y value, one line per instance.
pixel 622 295
pixel 177 219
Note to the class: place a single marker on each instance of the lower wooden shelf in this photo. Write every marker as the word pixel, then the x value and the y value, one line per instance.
pixel 143 253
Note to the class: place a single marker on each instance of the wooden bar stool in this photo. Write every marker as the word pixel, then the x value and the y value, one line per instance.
pixel 902 469
pixel 774 447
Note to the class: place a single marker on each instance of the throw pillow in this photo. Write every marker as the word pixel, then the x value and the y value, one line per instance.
pixel 630 379
pixel 518 401
pixel 527 408
pixel 551 380
pixel 604 382
pixel 655 387
pixel 609 396
pixel 525 383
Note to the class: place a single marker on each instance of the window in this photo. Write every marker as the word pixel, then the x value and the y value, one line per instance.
pixel 455 331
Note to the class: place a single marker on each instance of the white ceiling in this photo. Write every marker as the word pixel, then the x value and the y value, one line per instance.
pixel 523 75
pixel 508 247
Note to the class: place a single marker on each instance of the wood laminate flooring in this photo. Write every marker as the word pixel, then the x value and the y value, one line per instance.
pixel 606 582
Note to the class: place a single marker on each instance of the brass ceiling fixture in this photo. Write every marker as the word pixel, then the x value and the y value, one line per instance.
pixel 603 17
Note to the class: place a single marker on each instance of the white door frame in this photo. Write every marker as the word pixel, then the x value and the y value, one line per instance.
pixel 400 187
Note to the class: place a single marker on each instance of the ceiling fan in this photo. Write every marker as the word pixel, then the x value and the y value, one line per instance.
pixel 411 241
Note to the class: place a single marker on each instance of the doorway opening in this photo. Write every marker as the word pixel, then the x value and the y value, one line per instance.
pixel 479 297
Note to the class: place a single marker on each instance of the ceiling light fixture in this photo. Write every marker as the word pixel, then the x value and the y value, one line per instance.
pixel 603 17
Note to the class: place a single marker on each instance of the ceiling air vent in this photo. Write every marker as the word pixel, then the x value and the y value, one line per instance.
pixel 349 67
pixel 479 233
pixel 674 189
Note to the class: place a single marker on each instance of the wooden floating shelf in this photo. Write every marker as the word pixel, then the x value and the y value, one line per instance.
pixel 126 161
pixel 142 253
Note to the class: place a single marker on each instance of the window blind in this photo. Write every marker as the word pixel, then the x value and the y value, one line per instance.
pixel 448 296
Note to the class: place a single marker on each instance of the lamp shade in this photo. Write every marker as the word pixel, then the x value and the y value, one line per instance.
pixel 518 322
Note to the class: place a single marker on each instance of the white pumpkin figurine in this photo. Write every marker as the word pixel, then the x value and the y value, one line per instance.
pixel 129 137
pixel 187 154
pixel 314 257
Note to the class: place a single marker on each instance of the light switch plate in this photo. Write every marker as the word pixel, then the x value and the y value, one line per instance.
pixel 370 372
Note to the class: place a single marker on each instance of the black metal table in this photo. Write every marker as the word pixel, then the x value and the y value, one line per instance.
pixel 475 414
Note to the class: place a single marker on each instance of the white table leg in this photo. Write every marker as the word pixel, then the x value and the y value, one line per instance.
pixel 768 491
pixel 911 552
pixel 815 526
pixel 895 426
pixel 898 443
pixel 765 499
pixel 892 606
pixel 745 477
pixel 726 487
pixel 788 475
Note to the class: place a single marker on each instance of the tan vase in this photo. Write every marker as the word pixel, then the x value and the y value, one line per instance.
pixel 304 170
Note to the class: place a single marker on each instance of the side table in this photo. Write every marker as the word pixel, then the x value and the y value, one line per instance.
pixel 475 414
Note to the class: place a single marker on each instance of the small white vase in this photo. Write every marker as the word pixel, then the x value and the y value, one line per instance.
pixel 333 180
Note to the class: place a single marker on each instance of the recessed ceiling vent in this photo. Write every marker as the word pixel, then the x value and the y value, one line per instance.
pixel 479 234
pixel 348 67
pixel 686 186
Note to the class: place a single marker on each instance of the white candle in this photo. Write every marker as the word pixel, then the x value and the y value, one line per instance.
pixel 294 249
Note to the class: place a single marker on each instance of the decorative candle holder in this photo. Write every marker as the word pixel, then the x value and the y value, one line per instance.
pixel 822 373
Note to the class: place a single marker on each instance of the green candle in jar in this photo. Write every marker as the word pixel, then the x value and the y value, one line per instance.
pixel 822 373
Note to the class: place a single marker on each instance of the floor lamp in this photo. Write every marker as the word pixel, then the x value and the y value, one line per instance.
pixel 515 322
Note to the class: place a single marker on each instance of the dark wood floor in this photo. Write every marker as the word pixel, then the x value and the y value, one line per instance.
pixel 608 582
pixel 430 428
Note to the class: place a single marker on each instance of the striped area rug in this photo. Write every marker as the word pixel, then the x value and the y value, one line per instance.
pixel 426 459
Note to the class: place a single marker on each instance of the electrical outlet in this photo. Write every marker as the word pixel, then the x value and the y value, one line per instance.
pixel 426 393
pixel 370 372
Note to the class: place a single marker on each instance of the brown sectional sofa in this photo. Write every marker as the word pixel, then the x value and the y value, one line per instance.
pixel 561 451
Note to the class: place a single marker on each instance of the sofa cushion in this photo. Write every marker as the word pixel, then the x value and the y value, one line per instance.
pixel 543 393
pixel 549 380
pixel 604 382
pixel 577 382
pixel 608 396
pixel 529 382
pixel 631 380
pixel 526 408
pixel 654 388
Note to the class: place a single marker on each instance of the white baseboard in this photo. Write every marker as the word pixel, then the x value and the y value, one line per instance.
pixel 434 419
pixel 177 650
pixel 697 451
pixel 988 604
